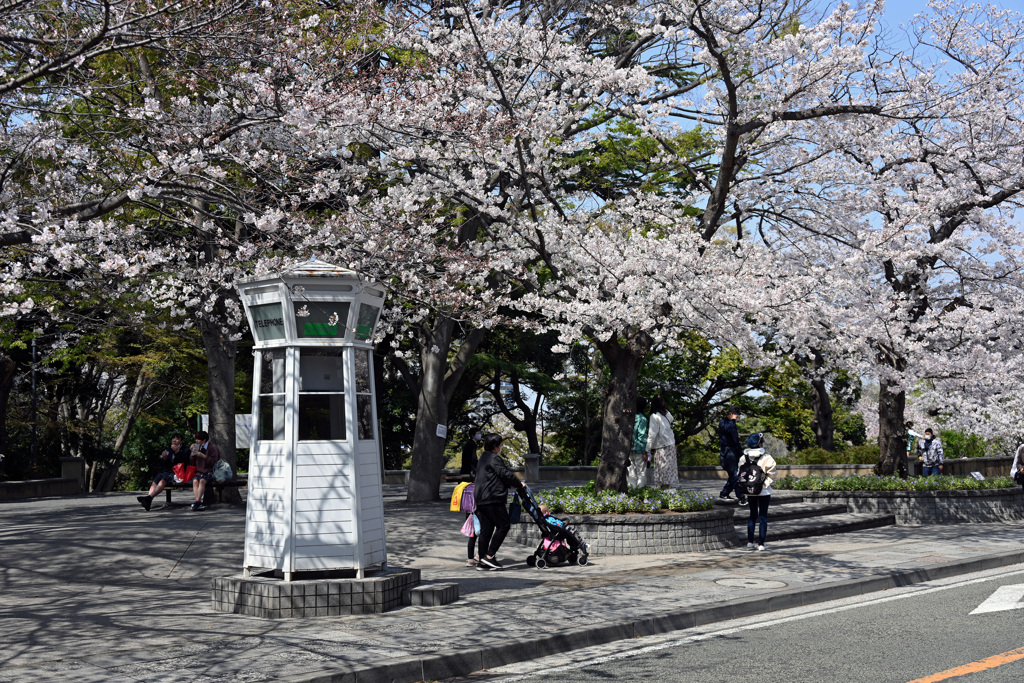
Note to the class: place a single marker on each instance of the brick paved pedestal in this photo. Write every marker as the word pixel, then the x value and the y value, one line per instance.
pixel 271 598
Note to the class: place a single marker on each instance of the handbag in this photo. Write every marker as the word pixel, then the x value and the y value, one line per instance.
pixel 468 528
pixel 183 473
pixel 515 510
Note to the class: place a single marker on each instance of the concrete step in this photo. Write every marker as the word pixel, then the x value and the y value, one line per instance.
pixel 431 595
pixel 804 527
pixel 798 510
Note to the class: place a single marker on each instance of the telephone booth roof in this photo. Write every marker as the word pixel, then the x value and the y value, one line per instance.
pixel 311 303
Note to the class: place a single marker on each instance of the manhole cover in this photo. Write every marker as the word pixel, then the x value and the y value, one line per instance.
pixel 750 583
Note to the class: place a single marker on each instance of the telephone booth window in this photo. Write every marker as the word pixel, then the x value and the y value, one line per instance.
pixel 366 321
pixel 321 414
pixel 321 319
pixel 272 393
pixel 364 396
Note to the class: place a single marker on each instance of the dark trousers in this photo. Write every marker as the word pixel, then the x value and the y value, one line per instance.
pixel 758 516
pixel 731 464
pixel 494 526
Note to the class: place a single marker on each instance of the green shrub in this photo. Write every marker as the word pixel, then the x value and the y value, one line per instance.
pixel 819 456
pixel 860 482
pixel 696 451
pixel 865 454
pixel 585 500
pixel 850 455
pixel 960 445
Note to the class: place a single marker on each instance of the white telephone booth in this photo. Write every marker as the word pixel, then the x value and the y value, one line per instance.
pixel 314 495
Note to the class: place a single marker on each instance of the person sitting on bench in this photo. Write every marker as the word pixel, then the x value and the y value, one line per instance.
pixel 172 455
pixel 204 456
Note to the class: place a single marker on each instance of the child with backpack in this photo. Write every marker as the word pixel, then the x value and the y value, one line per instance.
pixel 462 501
pixel 757 471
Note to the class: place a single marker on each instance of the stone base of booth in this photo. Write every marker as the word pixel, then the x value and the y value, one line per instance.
pixel 272 598
pixel 912 508
pixel 638 534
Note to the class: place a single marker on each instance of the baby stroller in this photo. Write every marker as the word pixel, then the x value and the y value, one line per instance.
pixel 560 542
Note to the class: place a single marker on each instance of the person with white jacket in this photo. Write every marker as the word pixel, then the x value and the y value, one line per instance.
pixel 1017 465
pixel 759 502
pixel 661 443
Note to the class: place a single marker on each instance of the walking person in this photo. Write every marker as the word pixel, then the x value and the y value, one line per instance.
pixel 493 479
pixel 661 443
pixel 729 454
pixel 636 472
pixel 759 501
pixel 930 454
pixel 467 504
pixel 469 460
pixel 1017 467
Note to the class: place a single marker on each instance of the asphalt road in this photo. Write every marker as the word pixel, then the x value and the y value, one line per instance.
pixel 926 633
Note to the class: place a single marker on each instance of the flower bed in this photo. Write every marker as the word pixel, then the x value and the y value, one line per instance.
pixel 586 500
pixel 918 500
pixel 639 522
pixel 856 482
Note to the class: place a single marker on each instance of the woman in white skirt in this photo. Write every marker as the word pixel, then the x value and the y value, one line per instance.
pixel 661 443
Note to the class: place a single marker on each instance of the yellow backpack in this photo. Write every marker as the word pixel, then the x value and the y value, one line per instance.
pixel 456 505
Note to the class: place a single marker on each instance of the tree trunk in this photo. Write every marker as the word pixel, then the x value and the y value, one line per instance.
pixel 437 382
pixel 823 423
pixel 624 363
pixel 892 431
pixel 8 369
pixel 220 364
pixel 527 424
pixel 132 412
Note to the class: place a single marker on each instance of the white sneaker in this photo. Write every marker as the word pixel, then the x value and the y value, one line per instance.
pixel 750 546
pixel 760 547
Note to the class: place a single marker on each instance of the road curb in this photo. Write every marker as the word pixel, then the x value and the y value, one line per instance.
pixel 449 664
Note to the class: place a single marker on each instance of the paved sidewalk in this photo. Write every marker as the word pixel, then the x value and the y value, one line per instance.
pixel 92 588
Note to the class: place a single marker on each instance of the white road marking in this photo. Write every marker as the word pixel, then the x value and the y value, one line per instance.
pixel 1005 598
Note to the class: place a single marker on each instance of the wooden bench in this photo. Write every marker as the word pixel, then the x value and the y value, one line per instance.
pixel 214 488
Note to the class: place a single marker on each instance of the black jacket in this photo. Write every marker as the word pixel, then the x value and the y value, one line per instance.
pixel 728 439
pixel 469 459
pixel 493 479
pixel 167 459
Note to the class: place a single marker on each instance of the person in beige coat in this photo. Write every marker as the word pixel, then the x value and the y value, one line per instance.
pixel 759 501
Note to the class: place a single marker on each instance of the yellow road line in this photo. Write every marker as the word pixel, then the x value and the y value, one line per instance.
pixel 974 667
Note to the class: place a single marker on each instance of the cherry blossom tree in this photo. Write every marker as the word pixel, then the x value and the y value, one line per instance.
pixel 444 149
pixel 912 230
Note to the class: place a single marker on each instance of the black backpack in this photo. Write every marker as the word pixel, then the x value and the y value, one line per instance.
pixel 751 476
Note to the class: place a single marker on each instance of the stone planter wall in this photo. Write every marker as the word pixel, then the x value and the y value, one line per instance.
pixel 39 488
pixel 929 507
pixel 643 534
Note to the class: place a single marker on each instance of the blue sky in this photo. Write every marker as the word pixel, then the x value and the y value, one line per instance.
pixel 900 11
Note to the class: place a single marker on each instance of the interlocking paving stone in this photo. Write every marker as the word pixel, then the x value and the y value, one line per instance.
pixel 92 588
